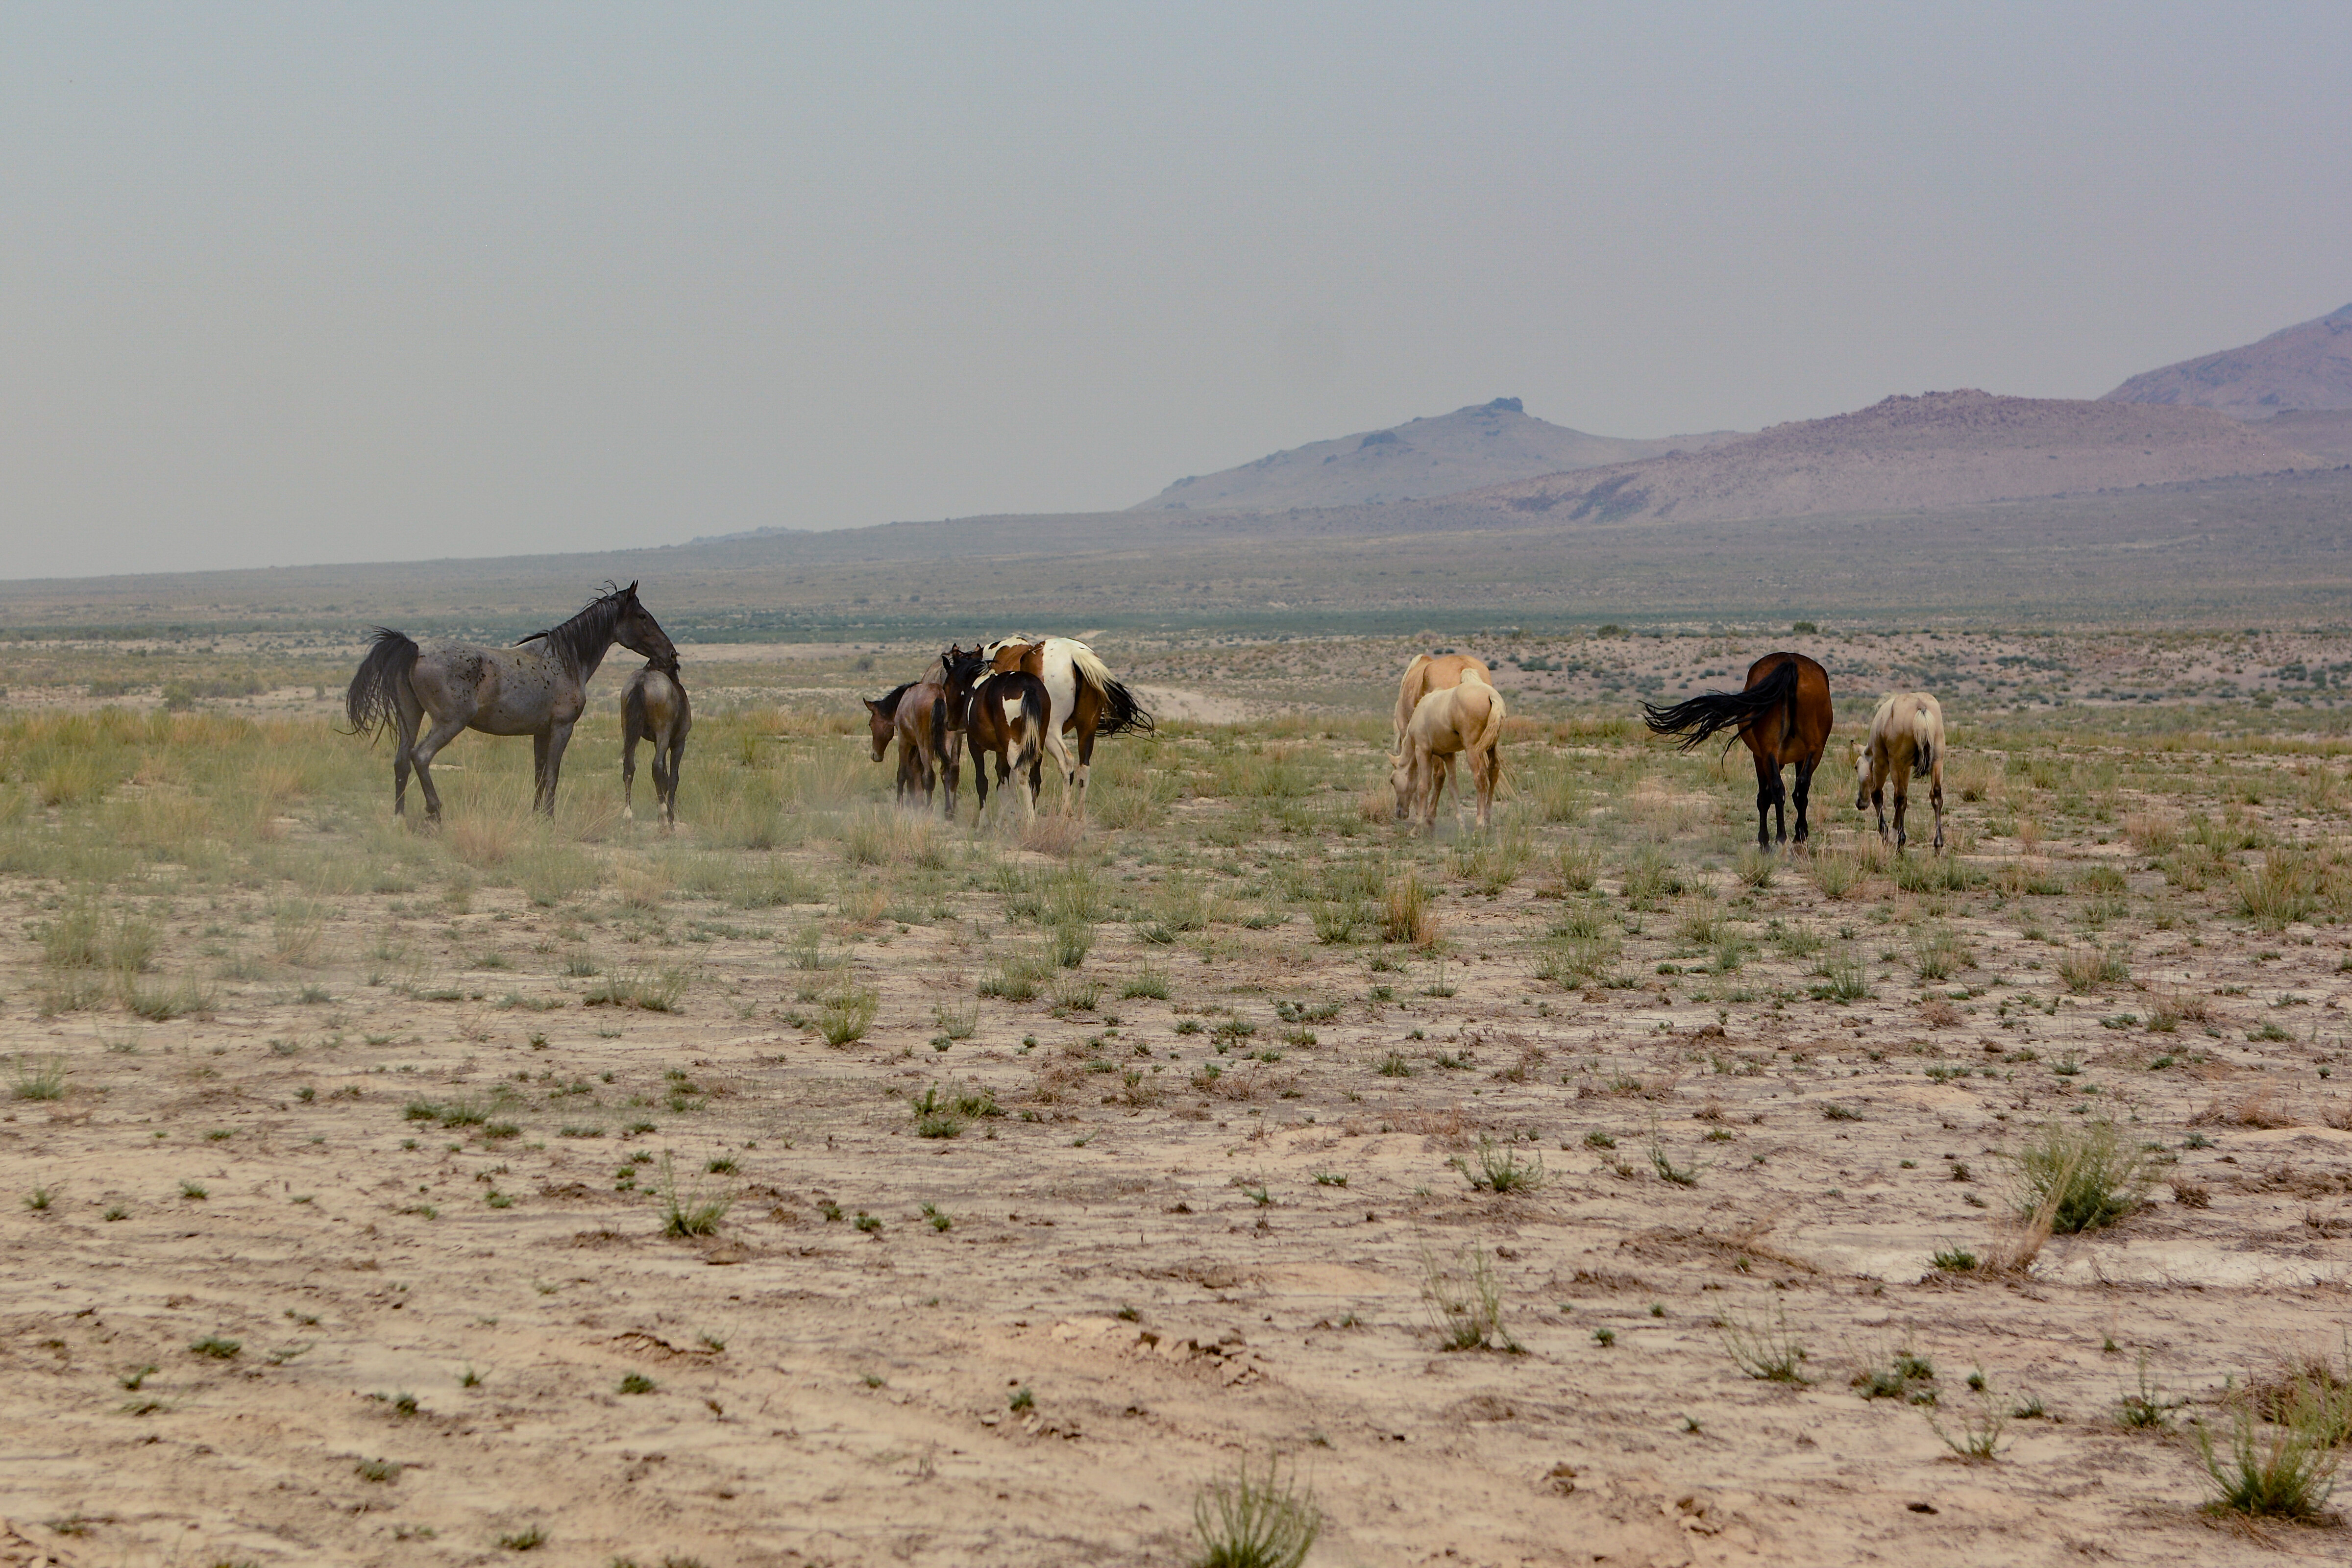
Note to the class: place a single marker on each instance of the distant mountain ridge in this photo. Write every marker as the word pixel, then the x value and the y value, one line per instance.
pixel 1488 444
pixel 1936 450
pixel 2307 365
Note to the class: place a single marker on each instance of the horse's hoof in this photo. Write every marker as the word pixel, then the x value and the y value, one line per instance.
pixel 628 814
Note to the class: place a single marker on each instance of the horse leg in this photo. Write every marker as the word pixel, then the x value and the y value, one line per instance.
pixel 1878 804
pixel 1086 763
pixel 538 768
pixel 1935 798
pixel 1060 750
pixel 1768 785
pixel 403 747
pixel 560 738
pixel 1805 766
pixel 629 774
pixel 444 731
pixel 1484 775
pixel 980 780
pixel 1902 805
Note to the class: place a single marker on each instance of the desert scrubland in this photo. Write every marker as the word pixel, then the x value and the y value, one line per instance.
pixel 825 1183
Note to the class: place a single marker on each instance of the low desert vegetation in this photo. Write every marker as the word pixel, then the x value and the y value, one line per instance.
pixel 908 1061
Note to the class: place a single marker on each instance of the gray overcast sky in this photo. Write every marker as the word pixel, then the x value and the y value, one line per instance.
pixel 354 282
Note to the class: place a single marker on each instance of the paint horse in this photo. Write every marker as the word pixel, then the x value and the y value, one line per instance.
pixel 1906 736
pixel 1783 715
pixel 1003 717
pixel 520 690
pixel 1462 720
pixel 654 708
pixel 1084 698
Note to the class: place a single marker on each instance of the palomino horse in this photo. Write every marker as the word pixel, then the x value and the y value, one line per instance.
pixel 1003 717
pixel 1907 735
pixel 654 708
pixel 519 691
pixel 1463 719
pixel 1783 715
pixel 1084 698
pixel 1429 673
pixel 1426 673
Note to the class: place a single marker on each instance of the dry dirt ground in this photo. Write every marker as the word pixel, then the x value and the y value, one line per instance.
pixel 340 1160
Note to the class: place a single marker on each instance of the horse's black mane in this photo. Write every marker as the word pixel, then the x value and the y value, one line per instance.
pixel 583 639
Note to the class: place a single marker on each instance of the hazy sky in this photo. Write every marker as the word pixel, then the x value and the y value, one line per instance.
pixel 354 282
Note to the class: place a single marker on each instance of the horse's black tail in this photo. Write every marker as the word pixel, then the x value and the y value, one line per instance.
pixel 373 700
pixel 1123 712
pixel 1700 717
pixel 939 726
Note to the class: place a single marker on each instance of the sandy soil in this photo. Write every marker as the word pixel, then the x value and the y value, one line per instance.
pixel 388 1226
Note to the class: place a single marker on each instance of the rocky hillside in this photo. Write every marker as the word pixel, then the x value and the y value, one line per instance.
pixel 1491 444
pixel 2304 366
pixel 1942 449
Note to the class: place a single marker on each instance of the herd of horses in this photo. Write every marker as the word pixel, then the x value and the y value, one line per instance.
pixel 1020 700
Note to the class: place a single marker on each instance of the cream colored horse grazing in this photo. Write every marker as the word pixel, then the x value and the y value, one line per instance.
pixel 1463 718
pixel 1425 675
pixel 1906 736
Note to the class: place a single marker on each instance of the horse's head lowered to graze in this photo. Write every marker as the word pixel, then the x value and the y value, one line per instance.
pixel 882 718
pixel 1401 779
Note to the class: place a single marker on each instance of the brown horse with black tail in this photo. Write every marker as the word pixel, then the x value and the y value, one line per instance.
pixel 1783 715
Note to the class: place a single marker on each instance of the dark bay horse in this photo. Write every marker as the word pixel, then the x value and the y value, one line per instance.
pixel 1783 715
pixel 1003 717
pixel 520 690
pixel 654 708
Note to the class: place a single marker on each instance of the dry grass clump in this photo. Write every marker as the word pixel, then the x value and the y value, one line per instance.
pixel 2088 969
pixel 1467 1309
pixel 2284 888
pixel 1404 911
pixel 1766 1348
pixel 2258 1107
pixel 2283 1467
pixel 2080 1178
pixel 1254 1522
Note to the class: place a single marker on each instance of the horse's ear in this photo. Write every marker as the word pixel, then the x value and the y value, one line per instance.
pixel 632 589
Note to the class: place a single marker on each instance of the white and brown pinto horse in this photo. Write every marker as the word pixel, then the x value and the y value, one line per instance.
pixel 1465 719
pixel 1907 737
pixel 1429 673
pixel 1085 699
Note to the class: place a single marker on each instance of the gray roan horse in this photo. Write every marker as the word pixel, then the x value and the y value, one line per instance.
pixel 519 691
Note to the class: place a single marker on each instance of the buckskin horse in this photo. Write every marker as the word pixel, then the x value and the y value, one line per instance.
pixel 520 690
pixel 1783 715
